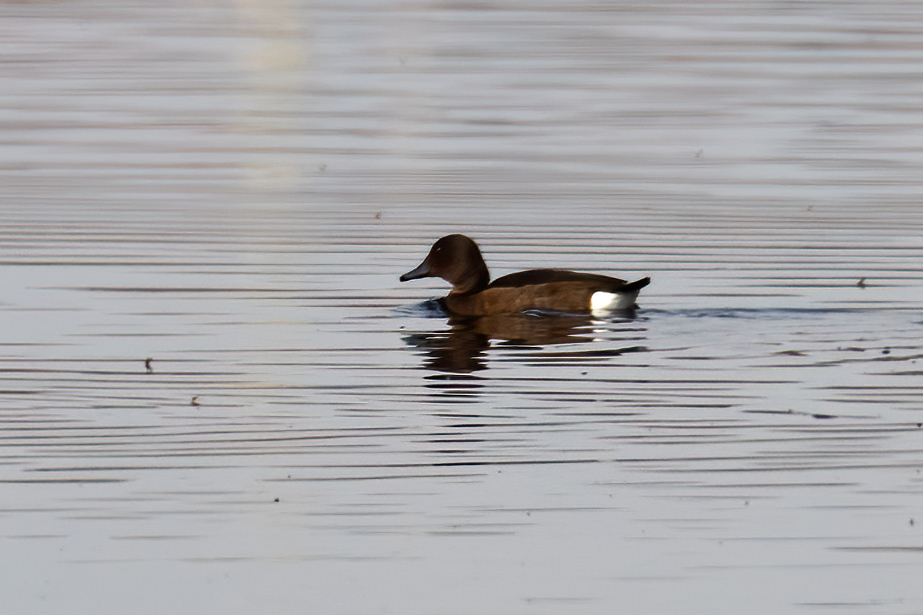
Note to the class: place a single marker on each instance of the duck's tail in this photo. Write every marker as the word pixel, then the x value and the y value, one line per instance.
pixel 633 287
pixel 618 299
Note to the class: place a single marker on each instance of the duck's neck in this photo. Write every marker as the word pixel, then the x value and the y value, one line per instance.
pixel 474 280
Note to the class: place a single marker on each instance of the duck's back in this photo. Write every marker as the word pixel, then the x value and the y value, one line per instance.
pixel 535 277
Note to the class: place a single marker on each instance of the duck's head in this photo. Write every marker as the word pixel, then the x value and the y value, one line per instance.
pixel 457 260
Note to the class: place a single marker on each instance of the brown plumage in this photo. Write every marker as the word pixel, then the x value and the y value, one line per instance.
pixel 457 259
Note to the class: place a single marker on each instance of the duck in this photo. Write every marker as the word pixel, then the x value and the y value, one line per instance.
pixel 457 259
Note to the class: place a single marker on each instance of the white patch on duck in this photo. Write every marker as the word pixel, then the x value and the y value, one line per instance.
pixel 602 301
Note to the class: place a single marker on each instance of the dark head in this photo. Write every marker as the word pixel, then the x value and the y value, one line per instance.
pixel 457 260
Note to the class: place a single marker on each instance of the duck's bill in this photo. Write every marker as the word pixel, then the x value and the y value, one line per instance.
pixel 420 272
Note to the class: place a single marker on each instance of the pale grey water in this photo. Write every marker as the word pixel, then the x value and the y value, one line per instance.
pixel 232 190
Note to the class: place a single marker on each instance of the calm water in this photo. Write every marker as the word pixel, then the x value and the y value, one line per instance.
pixel 231 191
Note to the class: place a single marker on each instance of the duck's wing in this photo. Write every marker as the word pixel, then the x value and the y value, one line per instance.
pixel 549 276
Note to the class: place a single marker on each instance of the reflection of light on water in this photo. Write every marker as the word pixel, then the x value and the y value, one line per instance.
pixel 275 62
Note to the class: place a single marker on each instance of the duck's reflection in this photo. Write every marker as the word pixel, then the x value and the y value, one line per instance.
pixel 460 349
pixel 459 352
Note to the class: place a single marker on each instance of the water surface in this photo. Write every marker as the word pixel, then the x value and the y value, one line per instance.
pixel 232 190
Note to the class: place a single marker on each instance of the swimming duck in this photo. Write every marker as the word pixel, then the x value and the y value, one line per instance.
pixel 457 260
